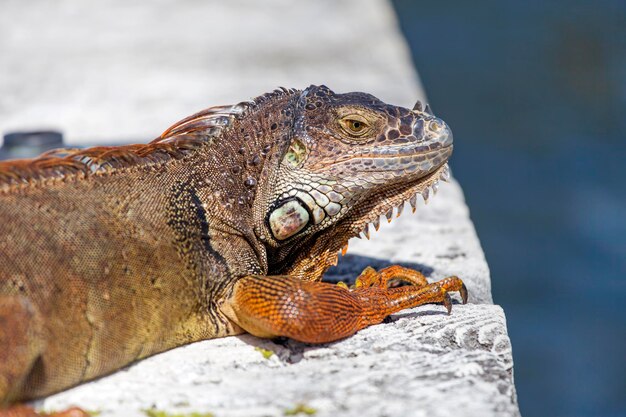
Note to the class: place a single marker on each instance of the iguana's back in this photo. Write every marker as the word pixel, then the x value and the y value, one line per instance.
pixel 225 223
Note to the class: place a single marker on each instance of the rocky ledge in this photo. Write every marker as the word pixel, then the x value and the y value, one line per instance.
pixel 420 362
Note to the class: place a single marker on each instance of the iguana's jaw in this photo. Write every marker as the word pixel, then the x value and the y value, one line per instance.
pixel 390 202
pixel 316 255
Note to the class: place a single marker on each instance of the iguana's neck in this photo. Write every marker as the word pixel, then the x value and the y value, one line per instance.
pixel 231 169
pixel 256 138
pixel 250 149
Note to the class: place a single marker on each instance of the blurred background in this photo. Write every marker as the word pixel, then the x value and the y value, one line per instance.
pixel 535 92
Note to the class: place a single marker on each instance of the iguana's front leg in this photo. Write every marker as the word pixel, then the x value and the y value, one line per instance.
pixel 20 346
pixel 319 312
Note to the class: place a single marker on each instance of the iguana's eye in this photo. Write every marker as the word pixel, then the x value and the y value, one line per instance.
pixel 355 125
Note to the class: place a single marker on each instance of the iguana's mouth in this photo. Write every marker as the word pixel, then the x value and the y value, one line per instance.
pixel 395 153
pixel 377 162
pixel 393 203
pixel 400 163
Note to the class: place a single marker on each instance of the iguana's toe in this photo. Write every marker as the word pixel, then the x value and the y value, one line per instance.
pixel 454 283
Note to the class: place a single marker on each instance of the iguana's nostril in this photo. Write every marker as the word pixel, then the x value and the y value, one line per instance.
pixel 439 131
pixel 435 125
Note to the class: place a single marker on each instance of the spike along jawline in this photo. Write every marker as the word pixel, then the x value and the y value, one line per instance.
pixel 426 193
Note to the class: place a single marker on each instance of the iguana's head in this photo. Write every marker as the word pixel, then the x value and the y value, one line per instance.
pixel 350 158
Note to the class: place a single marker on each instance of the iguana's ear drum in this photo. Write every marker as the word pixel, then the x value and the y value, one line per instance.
pixel 288 219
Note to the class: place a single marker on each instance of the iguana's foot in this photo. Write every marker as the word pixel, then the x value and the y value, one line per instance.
pixel 26 411
pixel 319 312
pixel 369 277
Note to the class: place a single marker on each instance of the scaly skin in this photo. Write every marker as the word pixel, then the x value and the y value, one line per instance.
pixel 224 224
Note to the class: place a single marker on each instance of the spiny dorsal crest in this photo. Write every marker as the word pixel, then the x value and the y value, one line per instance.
pixel 176 142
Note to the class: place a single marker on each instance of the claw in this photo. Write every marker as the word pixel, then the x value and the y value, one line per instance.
pixel 463 292
pixel 447 301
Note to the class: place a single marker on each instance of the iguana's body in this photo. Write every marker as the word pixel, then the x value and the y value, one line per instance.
pixel 111 255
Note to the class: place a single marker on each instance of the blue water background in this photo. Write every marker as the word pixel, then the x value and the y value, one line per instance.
pixel 535 92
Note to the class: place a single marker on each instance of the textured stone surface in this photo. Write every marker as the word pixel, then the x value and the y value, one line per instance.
pixel 126 71
pixel 422 363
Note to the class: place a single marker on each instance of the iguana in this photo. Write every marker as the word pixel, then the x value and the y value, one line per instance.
pixel 224 224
